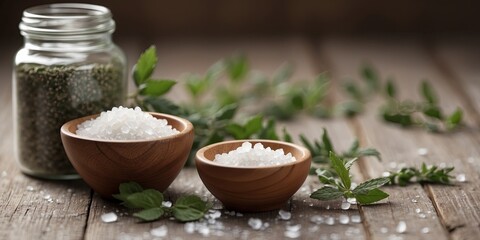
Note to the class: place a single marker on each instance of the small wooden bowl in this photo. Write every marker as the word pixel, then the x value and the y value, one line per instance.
pixel 253 189
pixel 104 164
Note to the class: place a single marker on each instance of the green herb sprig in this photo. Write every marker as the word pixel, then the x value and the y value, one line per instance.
pixel 426 113
pixel 365 193
pixel 149 202
pixel 425 174
pixel 321 149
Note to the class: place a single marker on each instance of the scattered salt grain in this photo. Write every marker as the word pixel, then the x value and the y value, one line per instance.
pixel 30 189
pixel 256 156
pixel 343 219
pixel 425 230
pixel 189 227
pixel 345 205
pixel 352 201
pixel 292 234
pixel 215 214
pixel 316 219
pixel 125 124
pixel 356 219
pixel 330 221
pixel 255 223
pixel 461 177
pixel 109 217
pixel 284 215
pixel 422 151
pixel 401 227
pixel 161 231
pixel 166 204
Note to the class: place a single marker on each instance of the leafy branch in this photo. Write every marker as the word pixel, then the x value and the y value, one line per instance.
pixel 426 174
pixel 321 149
pixel 150 203
pixel 366 193
pixel 426 113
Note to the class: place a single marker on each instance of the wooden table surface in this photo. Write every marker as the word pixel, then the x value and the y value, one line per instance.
pixel 437 212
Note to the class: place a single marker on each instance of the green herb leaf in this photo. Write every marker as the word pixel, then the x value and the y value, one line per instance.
pixel 433 111
pixel 326 194
pixel 353 90
pixel 390 89
pixel 286 136
pixel 327 144
pixel 157 87
pixel 237 67
pixel 145 66
pixel 149 198
pixel 268 131
pixel 349 163
pixel 372 196
pixel 227 112
pixel 236 130
pixel 428 93
pixel 162 105
pixel 339 167
pixel 189 208
pixel 402 119
pixel 371 184
pixel 371 77
pixel 127 189
pixel 455 119
pixel 150 214
pixel 371 152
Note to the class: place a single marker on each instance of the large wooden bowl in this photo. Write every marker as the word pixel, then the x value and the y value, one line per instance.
pixel 253 189
pixel 104 164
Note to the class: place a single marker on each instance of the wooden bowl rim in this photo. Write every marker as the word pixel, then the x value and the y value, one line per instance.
pixel 200 155
pixel 188 128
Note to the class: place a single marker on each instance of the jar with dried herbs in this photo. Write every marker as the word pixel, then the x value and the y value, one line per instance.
pixel 68 68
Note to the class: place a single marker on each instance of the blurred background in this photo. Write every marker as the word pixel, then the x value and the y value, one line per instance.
pixel 149 19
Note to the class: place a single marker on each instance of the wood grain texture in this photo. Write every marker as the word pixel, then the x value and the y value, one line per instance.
pixel 399 146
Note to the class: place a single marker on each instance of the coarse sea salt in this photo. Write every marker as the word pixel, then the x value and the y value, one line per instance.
pixel 125 124
pixel 256 156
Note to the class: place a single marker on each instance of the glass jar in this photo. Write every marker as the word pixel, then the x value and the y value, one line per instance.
pixel 68 68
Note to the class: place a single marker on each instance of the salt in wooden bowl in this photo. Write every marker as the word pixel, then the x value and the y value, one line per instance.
pixel 253 189
pixel 104 164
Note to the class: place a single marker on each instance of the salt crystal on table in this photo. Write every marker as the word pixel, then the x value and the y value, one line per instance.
pixel 461 177
pixel 167 204
pixel 422 151
pixel 345 205
pixel 356 219
pixel 284 215
pixel 109 217
pixel 255 223
pixel 189 227
pixel 343 219
pixel 161 231
pixel 401 227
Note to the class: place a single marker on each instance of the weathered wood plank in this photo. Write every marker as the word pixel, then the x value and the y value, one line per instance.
pixel 31 208
pixel 409 63
pixel 458 59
